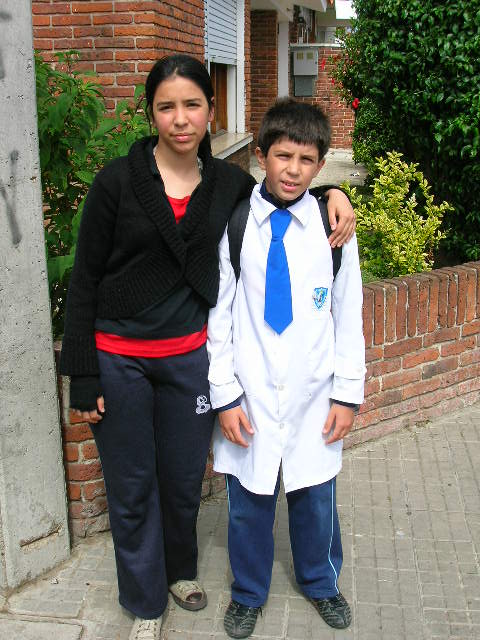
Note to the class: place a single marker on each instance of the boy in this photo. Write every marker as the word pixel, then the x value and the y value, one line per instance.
pixel 286 372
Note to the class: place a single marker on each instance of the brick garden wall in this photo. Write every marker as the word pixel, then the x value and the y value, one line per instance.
pixel 119 40
pixel 422 336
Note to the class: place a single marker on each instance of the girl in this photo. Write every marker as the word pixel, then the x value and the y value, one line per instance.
pixel 146 272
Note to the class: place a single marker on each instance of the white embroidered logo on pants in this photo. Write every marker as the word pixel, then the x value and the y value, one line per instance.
pixel 202 404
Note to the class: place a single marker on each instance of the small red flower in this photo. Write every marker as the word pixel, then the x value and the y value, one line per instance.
pixel 355 103
pixel 333 80
pixel 322 64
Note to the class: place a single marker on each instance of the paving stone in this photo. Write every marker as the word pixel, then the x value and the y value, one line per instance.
pixel 28 630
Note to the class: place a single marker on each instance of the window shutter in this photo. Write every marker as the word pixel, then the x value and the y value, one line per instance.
pixel 221 31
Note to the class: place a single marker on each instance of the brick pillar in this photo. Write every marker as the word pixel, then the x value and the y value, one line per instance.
pixel 119 40
pixel 264 60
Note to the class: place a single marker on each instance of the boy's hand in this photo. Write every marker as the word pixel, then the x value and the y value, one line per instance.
pixel 231 423
pixel 340 419
pixel 93 416
pixel 339 208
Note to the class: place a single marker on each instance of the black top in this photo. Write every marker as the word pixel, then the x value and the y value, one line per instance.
pixel 131 254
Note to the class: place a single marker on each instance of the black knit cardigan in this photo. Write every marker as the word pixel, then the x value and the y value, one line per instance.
pixel 130 252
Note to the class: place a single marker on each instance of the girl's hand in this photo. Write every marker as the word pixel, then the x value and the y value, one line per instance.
pixel 340 419
pixel 339 207
pixel 93 416
pixel 231 423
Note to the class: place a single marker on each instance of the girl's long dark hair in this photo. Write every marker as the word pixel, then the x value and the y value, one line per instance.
pixel 186 67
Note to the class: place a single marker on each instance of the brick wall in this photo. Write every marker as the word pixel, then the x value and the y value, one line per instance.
pixel 264 61
pixel 119 40
pixel 422 337
pixel 247 66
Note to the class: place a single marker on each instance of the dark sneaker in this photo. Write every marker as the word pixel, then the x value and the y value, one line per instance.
pixel 335 611
pixel 240 620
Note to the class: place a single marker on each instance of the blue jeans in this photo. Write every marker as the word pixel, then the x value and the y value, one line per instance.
pixel 314 538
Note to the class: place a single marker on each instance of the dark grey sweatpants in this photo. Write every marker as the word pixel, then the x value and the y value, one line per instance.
pixel 153 443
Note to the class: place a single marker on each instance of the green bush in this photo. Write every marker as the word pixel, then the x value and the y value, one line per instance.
pixel 76 138
pixel 417 65
pixel 398 227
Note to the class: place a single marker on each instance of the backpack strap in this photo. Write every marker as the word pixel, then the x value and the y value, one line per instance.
pixel 236 231
pixel 336 251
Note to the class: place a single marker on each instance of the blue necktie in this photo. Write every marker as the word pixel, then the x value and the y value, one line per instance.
pixel 278 295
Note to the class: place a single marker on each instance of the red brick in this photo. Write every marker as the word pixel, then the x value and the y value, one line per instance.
pixel 114 67
pixel 471 328
pixel 70 451
pixel 441 335
pixel 371 387
pixel 54 32
pixel 473 384
pixel 89 450
pixel 433 303
pixel 140 5
pixel 83 471
pixel 382 399
pixel 401 347
pixel 442 297
pixel 436 397
pixel 452 297
pixel 390 312
pixel 131 79
pixel 459 346
pixel 56 7
pixel 418 388
pixel 459 375
pixel 86 32
pixel 470 292
pixel 73 43
pixel 412 307
pixel 401 378
pixel 423 301
pixel 426 355
pixel 87 509
pixel 373 353
pixel 441 366
pixel 470 357
pixel 74 491
pixel 115 43
pixel 42 45
pixel 41 21
pixel 401 320
pixel 77 432
pixel 379 313
pixel 136 30
pixel 119 92
pixel 92 7
pixel 112 18
pixel 386 366
pixel 71 20
pixel 462 295
pixel 92 490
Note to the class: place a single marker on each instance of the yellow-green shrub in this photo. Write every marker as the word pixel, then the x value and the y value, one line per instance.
pixel 398 227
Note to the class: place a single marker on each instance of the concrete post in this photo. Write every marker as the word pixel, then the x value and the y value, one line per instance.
pixel 33 519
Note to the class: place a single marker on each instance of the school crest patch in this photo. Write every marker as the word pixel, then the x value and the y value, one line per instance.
pixel 319 296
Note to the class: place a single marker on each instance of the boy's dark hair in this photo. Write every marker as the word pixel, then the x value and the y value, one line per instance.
pixel 300 122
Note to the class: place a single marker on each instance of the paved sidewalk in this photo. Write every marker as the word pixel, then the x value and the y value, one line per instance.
pixel 410 514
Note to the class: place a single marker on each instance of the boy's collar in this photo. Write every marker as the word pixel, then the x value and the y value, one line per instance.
pixel 262 207
pixel 273 200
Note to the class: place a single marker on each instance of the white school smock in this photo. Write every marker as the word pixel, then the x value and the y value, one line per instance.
pixel 286 380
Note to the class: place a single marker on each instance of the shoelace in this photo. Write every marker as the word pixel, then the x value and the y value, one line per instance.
pixel 146 630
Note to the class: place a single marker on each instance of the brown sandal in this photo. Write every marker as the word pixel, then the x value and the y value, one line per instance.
pixel 188 594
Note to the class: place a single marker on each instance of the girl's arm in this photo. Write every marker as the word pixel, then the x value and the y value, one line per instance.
pixel 341 217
